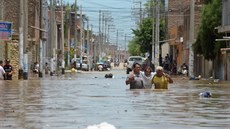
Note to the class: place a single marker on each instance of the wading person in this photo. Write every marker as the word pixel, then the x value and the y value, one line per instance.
pixel 134 79
pixel 147 76
pixel 8 69
pixel 46 68
pixel 2 71
pixel 161 79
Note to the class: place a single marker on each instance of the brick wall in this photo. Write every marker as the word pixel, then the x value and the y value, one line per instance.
pixel 14 56
pixel 11 12
pixel 176 13
pixel 179 25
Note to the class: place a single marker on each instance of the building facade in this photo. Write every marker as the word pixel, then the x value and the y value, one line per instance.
pixel 223 63
pixel 179 29
pixel 10 12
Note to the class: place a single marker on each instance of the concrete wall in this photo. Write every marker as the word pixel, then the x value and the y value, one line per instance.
pixel 165 49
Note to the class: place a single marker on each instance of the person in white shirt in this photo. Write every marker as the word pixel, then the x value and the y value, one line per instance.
pixel 2 71
pixel 147 76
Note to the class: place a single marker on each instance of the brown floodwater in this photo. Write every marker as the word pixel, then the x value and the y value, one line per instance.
pixel 77 100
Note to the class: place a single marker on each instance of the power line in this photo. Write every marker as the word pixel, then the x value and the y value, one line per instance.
pixel 115 8
pixel 95 3
pixel 117 11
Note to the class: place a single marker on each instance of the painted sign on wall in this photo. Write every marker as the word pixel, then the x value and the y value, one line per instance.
pixel 5 30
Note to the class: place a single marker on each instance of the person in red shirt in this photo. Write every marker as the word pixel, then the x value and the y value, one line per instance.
pixel 8 69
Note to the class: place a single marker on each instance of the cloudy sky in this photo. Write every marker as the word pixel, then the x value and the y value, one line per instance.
pixel 119 10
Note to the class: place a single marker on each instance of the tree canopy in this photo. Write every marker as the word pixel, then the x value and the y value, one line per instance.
pixel 134 47
pixel 143 35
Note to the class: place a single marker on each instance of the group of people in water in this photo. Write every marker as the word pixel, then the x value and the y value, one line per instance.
pixel 146 79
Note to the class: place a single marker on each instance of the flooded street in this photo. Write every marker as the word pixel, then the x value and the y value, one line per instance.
pixel 81 99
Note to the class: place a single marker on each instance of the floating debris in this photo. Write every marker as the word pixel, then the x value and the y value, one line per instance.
pixel 206 94
pixel 110 75
pixel 103 125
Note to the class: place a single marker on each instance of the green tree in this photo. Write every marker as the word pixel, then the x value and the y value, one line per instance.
pixel 134 47
pixel 211 18
pixel 68 9
pixel 143 34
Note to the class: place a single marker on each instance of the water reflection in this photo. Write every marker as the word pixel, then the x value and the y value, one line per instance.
pixel 78 100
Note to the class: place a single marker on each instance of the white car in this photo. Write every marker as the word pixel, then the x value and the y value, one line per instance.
pixel 84 66
pixel 131 60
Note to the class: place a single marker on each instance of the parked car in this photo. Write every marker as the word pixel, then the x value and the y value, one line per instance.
pixel 84 66
pixel 131 60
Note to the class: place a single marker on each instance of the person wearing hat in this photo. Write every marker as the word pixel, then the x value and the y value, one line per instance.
pixel 8 69
pixel 161 79
pixel 2 71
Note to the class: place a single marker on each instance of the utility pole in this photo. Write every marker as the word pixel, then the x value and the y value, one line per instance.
pixel 91 48
pixel 52 39
pixel 41 40
pixel 137 11
pixel 21 36
pixel 153 33
pixel 140 12
pixel 88 46
pixel 157 46
pixel 81 34
pixel 117 45
pixel 68 38
pixel 45 25
pixel 99 45
pixel 149 8
pixel 191 38
pixel 102 39
pixel 83 38
pixel 62 40
pixel 56 42
pixel 75 34
pixel 23 57
pixel 125 47
pixel 25 40
pixel 105 40
pixel 94 48
pixel 108 34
